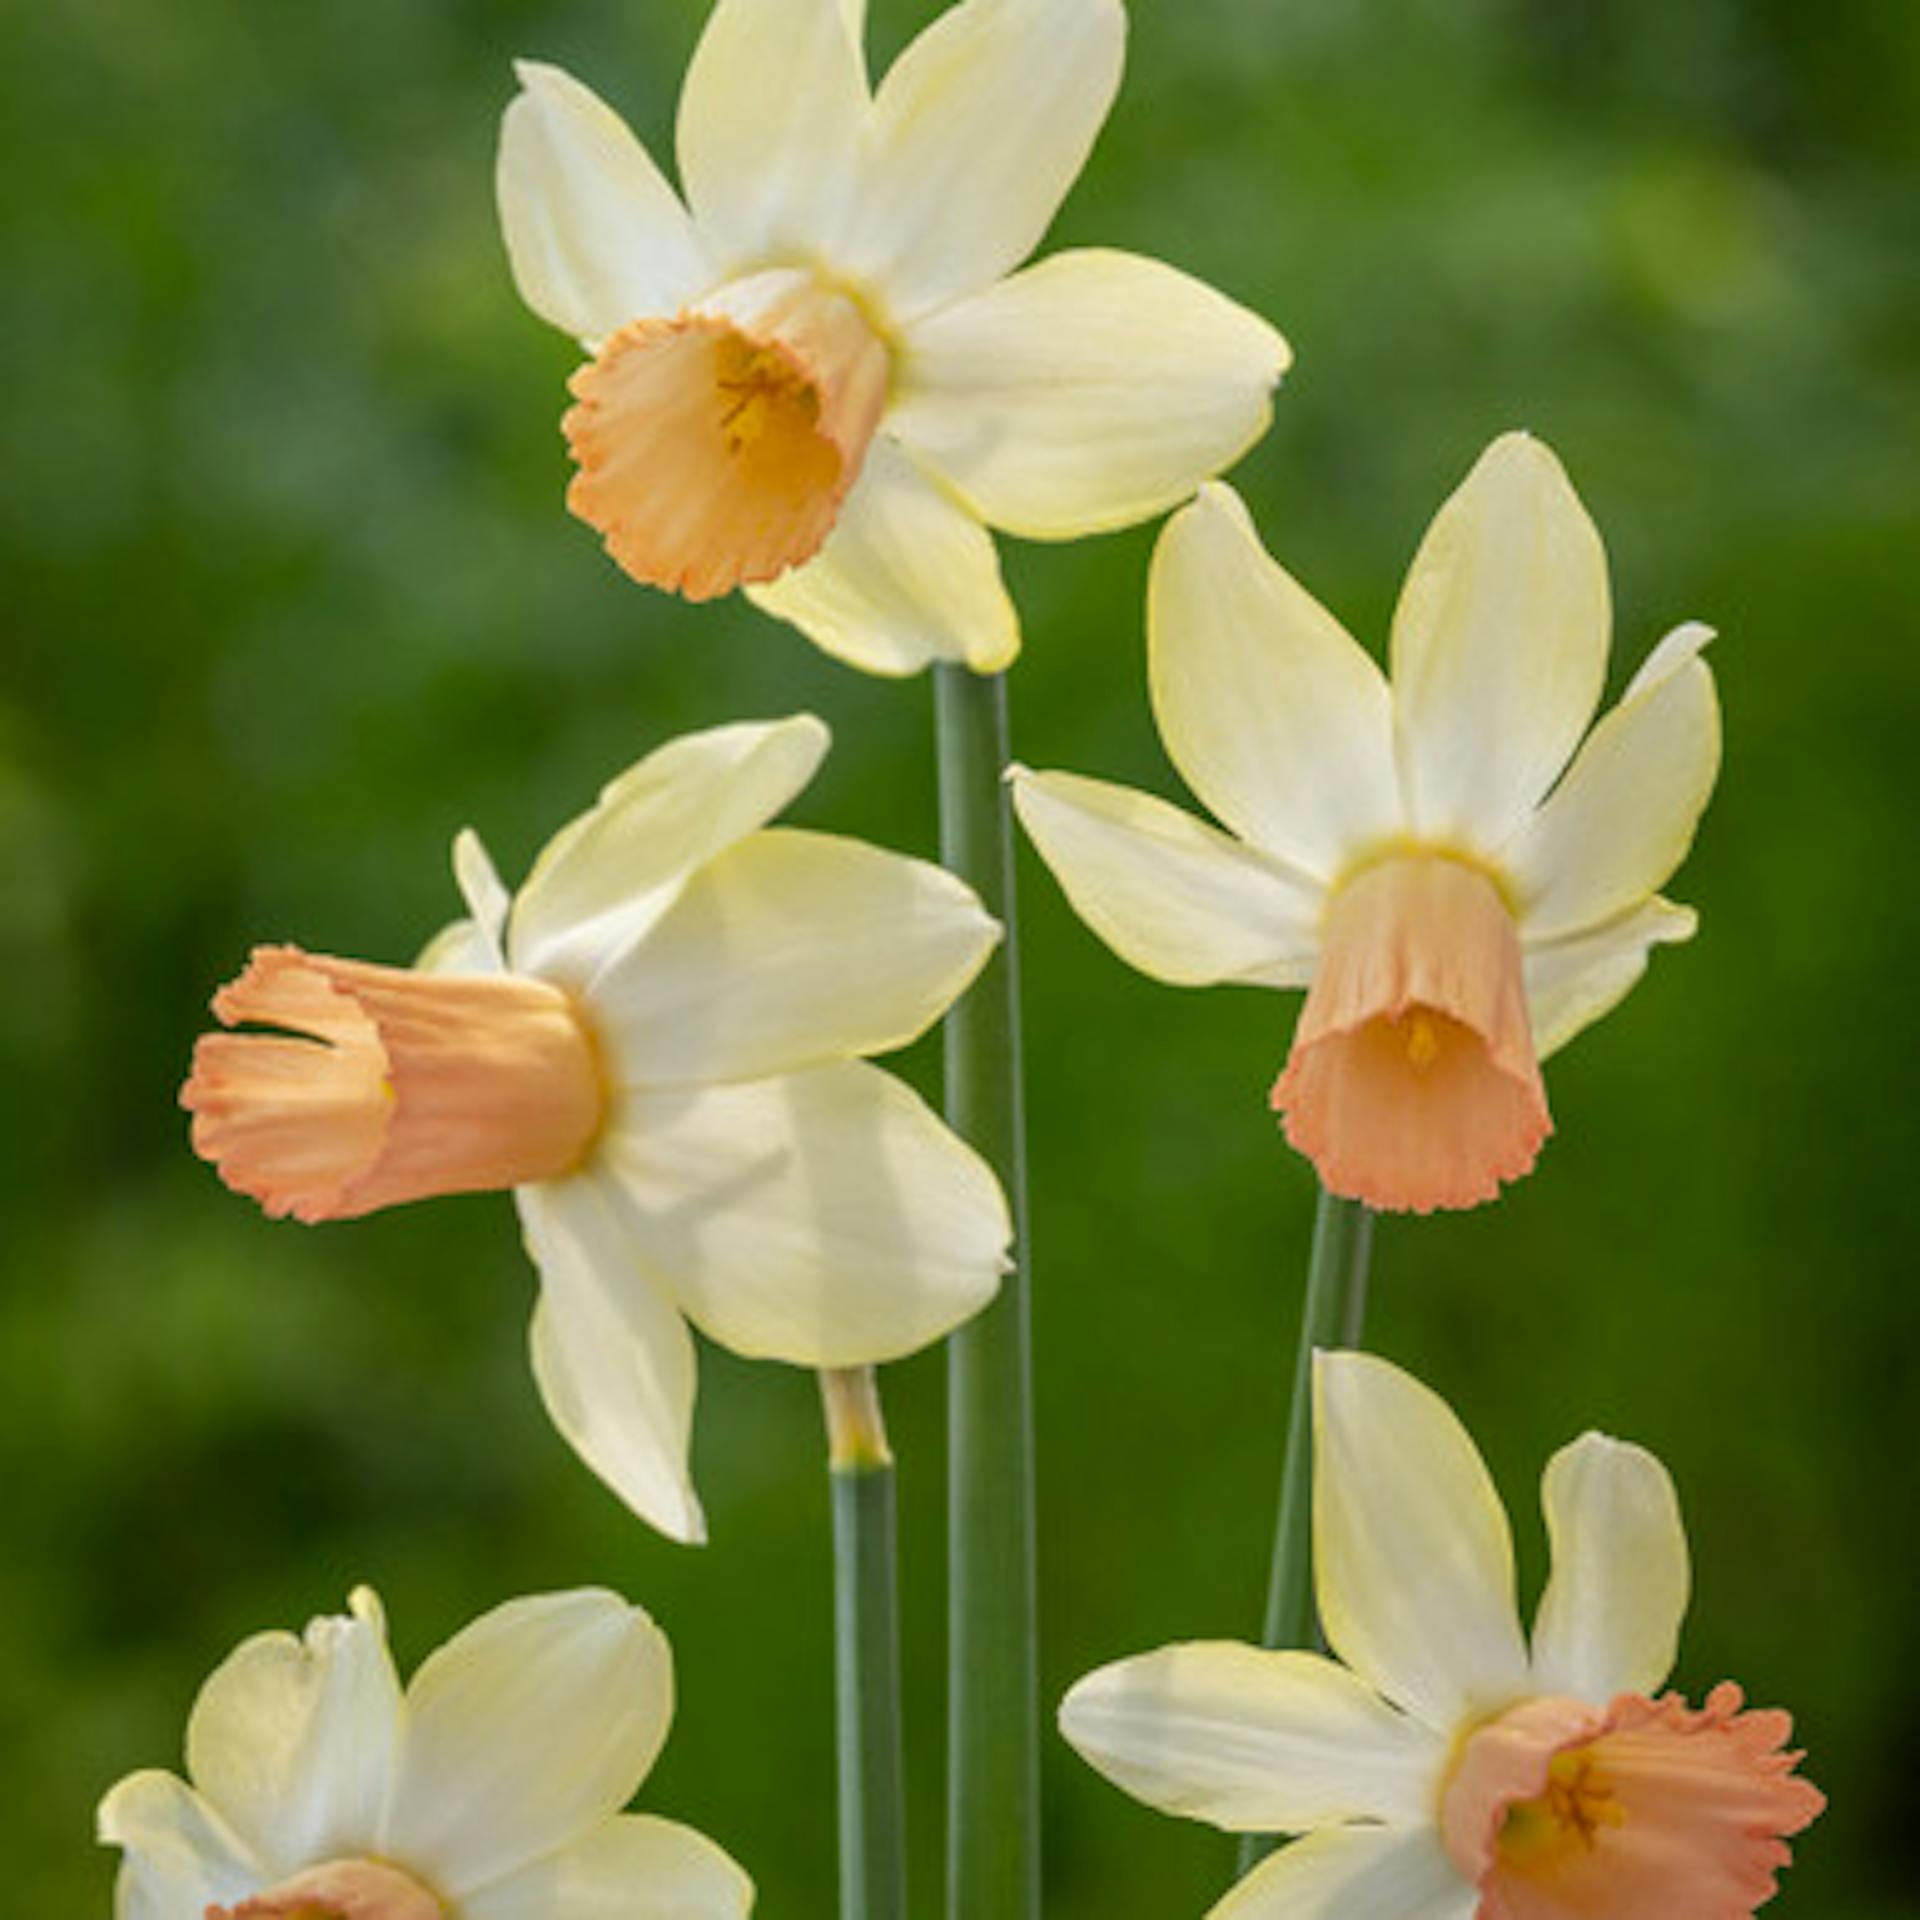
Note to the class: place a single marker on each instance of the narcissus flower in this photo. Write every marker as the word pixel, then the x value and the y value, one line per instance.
pixel 1448 1770
pixel 490 1789
pixel 655 1045
pixel 814 378
pixel 1457 899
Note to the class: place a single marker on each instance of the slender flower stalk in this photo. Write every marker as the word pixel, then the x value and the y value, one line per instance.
pixel 866 1622
pixel 1331 1315
pixel 993 1788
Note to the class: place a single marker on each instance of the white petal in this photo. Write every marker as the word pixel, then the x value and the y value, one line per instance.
pixel 603 880
pixel 525 1731
pixel 908 576
pixel 769 130
pixel 472 945
pixel 461 946
pixel 1088 392
pixel 1622 820
pixel 633 1868
pixel 978 131
pixel 1251 1740
pixel 1354 1873
pixel 181 1857
pixel 1412 1555
pixel 293 1739
pixel 826 1218
pixel 1279 720
pixel 595 234
pixel 1169 894
pixel 1499 646
pixel 1571 983
pixel 612 1356
pixel 1609 1621
pixel 789 949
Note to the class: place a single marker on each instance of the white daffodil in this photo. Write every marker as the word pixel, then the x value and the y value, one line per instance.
pixel 490 1789
pixel 655 1045
pixel 1457 899
pixel 1448 1770
pixel 814 377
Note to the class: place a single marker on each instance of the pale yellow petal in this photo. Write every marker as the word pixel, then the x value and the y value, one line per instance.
pixel 1573 982
pixel 1609 1621
pixel 1088 392
pixel 907 577
pixel 1279 720
pixel 1499 646
pixel 1412 1554
pixel 978 131
pixel 1252 1740
pixel 1354 1873
pixel 595 234
pixel 180 1857
pixel 634 1868
pixel 1169 894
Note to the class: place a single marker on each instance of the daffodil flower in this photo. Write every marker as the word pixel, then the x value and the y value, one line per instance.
pixel 490 1789
pixel 815 378
pixel 655 1046
pixel 1457 899
pixel 1442 1768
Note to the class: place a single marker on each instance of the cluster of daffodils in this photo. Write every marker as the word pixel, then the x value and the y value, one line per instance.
pixel 1444 1767
pixel 1417 852
pixel 489 1789
pixel 655 1045
pixel 814 377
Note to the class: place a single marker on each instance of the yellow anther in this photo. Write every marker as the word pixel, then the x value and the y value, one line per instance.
pixel 1423 1040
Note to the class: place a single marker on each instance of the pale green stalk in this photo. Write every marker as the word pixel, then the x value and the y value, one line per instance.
pixel 993 1685
pixel 1333 1316
pixel 866 1637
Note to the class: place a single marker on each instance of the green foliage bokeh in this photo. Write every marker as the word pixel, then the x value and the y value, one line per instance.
pixel 290 596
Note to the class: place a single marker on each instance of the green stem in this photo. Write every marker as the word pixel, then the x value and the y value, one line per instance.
pixel 1333 1316
pixel 993 1685
pixel 866 1634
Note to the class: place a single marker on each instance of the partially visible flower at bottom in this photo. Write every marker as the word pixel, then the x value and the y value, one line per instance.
pixel 490 1789
pixel 1447 1770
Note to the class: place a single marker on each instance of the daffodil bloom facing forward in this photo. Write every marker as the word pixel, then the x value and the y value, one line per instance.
pixel 490 1789
pixel 814 377
pixel 656 1046
pixel 1443 1768
pixel 1457 898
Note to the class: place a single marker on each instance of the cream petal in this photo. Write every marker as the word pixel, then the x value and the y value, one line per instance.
pixel 978 131
pixel 633 1868
pixel 1609 1621
pixel 293 1739
pixel 612 1356
pixel 1354 1873
pixel 770 126
pixel 603 880
pixel 1278 719
pixel 180 1856
pixel 1623 818
pixel 907 577
pixel 461 946
pixel 1252 1740
pixel 825 1218
pixel 1088 392
pixel 1499 646
pixel 595 234
pixel 472 945
pixel 1169 894
pixel 1412 1555
pixel 790 949
pixel 1573 982
pixel 524 1732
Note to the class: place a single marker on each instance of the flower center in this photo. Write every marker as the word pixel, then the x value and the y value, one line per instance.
pixel 1412 1082
pixel 1577 1803
pixel 339 1890
pixel 384 1085
pixel 715 448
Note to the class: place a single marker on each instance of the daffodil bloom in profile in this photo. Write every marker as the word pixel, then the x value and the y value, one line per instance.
pixel 1418 853
pixel 656 1046
pixel 489 1789
pixel 818 376
pixel 1444 1768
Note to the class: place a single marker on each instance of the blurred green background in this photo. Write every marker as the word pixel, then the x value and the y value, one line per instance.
pixel 290 597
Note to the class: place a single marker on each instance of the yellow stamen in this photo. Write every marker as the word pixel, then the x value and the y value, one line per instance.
pixel 1577 1803
pixel 1423 1040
